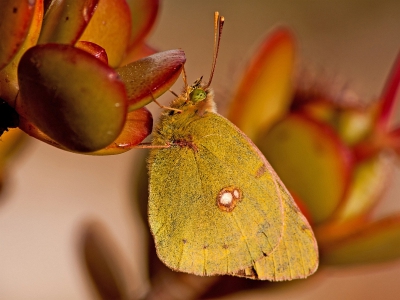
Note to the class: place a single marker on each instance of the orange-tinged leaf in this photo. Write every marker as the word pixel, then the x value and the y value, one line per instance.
pixel 143 15
pixel 369 181
pixel 373 243
pixel 30 129
pixel 93 49
pixel 148 78
pixel 65 21
pixel 8 75
pixel 266 88
pixel 311 160
pixel 302 206
pixel 328 233
pixel 10 143
pixel 110 28
pixel 71 96
pixel 138 126
pixel 15 19
pixel 136 53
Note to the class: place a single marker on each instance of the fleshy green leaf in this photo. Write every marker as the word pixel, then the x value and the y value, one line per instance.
pixel 148 78
pixel 65 21
pixel 311 160
pixel 370 179
pixel 266 88
pixel 71 96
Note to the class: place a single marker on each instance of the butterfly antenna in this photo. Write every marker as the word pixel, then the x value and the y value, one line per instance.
pixel 218 25
pixel 173 93
pixel 184 77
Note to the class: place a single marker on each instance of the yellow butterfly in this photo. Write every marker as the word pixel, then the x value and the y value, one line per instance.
pixel 216 206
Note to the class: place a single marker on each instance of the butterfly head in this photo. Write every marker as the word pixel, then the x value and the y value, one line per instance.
pixel 197 91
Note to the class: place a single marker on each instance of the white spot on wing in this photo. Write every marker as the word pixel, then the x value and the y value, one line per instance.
pixel 226 198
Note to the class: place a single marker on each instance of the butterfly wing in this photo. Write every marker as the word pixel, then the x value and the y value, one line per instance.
pixel 297 254
pixel 192 234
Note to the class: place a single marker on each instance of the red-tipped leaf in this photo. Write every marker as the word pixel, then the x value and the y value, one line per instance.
pixel 148 78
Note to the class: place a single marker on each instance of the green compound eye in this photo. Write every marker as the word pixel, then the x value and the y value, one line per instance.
pixel 197 95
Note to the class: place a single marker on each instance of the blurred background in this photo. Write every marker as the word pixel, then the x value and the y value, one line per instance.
pixel 49 194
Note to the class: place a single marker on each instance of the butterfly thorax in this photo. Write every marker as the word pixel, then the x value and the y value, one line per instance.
pixel 195 102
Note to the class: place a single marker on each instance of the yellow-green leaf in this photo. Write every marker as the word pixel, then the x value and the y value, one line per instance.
pixel 65 21
pixel 369 180
pixel 266 88
pixel 311 160
pixel 374 243
pixel 71 96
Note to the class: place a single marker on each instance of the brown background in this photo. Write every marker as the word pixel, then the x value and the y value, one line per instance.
pixel 50 193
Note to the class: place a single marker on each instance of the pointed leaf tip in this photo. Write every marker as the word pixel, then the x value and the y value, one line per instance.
pixel 148 78
pixel 389 93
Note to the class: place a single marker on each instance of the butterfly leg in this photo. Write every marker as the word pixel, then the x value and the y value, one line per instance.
pixel 150 146
pixel 166 107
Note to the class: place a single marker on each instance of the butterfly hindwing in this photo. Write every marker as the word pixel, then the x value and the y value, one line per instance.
pixel 192 233
pixel 297 254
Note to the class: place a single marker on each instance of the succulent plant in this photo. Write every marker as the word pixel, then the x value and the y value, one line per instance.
pixel 72 73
